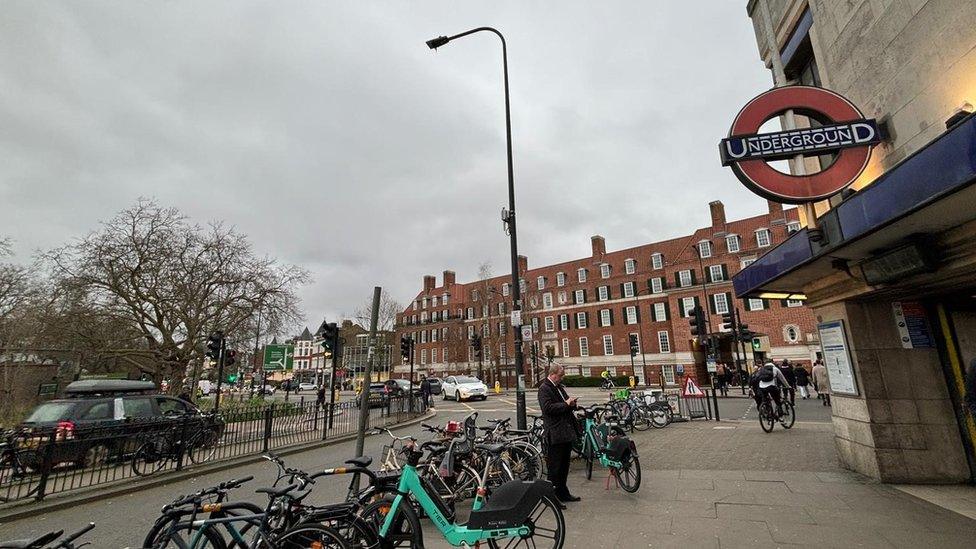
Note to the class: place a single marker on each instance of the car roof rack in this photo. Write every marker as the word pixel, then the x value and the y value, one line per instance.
pixel 107 387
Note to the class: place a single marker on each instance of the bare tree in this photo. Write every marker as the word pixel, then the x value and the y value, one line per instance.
pixel 17 288
pixel 171 283
pixel 386 320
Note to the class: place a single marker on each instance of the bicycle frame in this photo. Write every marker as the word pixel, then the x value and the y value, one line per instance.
pixel 590 441
pixel 410 484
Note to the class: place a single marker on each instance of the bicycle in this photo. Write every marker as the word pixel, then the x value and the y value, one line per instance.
pixel 208 500
pixel 153 454
pixel 512 515
pixel 608 444
pixel 43 541
pixel 270 531
pixel 768 417
pixel 13 469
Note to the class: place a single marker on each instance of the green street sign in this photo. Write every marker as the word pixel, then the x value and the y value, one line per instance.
pixel 279 357
pixel 47 389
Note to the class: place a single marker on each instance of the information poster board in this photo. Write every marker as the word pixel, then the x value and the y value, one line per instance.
pixel 837 357
pixel 913 327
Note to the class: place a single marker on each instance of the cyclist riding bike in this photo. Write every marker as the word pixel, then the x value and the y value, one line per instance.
pixel 767 381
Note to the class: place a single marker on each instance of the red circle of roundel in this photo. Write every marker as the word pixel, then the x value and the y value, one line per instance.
pixel 766 181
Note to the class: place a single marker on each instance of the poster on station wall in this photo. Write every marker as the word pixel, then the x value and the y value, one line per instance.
pixel 837 357
pixel 913 325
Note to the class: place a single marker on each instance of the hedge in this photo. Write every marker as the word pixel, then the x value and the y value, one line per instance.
pixel 588 381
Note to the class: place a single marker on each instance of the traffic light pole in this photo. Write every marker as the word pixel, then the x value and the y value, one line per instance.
pixel 220 372
pixel 410 390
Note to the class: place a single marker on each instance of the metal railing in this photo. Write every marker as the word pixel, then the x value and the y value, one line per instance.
pixel 35 464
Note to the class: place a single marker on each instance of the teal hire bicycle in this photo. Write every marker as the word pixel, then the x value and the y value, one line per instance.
pixel 515 514
pixel 606 443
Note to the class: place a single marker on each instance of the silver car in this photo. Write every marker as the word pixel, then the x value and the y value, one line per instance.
pixel 464 388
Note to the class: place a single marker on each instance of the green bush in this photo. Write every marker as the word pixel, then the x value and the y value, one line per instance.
pixel 588 381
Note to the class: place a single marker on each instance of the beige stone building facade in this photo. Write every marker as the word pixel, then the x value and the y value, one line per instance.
pixel 893 280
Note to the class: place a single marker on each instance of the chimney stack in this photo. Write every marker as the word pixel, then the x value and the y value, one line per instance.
pixel 599 246
pixel 718 215
pixel 429 282
pixel 449 278
pixel 523 264
pixel 775 209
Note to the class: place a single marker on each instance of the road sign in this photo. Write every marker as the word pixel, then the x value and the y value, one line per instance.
pixel 712 365
pixel 47 389
pixel 278 357
pixel 517 317
pixel 527 332
pixel 691 389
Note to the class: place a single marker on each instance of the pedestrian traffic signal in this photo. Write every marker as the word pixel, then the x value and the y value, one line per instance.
pixel 230 357
pixel 756 344
pixel 231 378
pixel 634 345
pixel 745 334
pixel 697 321
pixel 215 343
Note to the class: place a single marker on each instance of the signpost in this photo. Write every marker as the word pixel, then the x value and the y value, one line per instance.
pixel 279 358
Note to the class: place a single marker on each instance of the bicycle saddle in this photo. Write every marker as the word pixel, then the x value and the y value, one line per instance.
pixel 491 448
pixel 277 492
pixel 361 461
pixel 31 543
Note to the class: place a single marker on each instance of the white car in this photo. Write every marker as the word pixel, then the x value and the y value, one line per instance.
pixel 463 388
pixel 307 387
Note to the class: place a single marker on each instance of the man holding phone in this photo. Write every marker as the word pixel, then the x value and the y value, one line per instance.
pixel 560 425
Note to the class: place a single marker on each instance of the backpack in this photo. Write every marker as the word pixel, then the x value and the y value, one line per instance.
pixel 767 374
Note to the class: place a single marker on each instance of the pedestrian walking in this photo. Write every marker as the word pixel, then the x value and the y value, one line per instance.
pixel 790 374
pixel 721 378
pixel 821 381
pixel 560 426
pixel 802 382
pixel 425 390
pixel 320 397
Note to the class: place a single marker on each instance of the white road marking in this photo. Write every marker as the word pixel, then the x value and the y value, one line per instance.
pixel 749 409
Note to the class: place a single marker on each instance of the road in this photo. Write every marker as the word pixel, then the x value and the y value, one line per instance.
pixel 122 521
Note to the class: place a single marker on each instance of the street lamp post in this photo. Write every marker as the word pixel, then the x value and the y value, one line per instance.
pixel 640 334
pixel 509 220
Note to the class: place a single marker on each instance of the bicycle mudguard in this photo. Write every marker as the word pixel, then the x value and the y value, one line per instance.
pixel 510 505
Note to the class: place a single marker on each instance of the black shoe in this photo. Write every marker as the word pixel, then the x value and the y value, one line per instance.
pixel 560 504
pixel 569 498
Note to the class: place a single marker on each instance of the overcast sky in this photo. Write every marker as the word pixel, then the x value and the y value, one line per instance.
pixel 332 136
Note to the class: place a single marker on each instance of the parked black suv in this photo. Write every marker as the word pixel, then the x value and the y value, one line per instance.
pixel 98 420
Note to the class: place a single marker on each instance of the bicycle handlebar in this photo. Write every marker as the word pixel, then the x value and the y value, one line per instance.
pixel 66 541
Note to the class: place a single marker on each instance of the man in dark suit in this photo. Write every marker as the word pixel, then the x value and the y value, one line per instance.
pixel 560 425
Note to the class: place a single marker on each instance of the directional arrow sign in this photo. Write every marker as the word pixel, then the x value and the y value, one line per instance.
pixel 278 357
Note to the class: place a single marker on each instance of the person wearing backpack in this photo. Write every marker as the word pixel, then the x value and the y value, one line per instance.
pixel 770 379
pixel 802 381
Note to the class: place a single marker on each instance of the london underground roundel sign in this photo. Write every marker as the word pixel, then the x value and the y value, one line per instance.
pixel 843 130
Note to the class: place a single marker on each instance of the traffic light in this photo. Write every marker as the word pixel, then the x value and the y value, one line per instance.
pixel 634 345
pixel 215 342
pixel 697 322
pixel 745 334
pixel 756 344
pixel 728 322
pixel 232 378
pixel 476 345
pixel 230 357
pixel 406 345
pixel 329 332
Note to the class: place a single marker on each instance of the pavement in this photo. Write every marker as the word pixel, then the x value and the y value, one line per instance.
pixel 705 484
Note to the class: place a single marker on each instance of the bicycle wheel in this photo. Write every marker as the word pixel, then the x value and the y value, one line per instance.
pixel 525 461
pixel 311 536
pixel 182 538
pixel 766 417
pixel 147 460
pixel 357 532
pixel 789 415
pixel 588 456
pixel 641 417
pixel 547 529
pixel 202 446
pixel 405 532
pixel 659 418
pixel 629 474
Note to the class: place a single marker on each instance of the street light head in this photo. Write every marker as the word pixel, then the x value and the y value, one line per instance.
pixel 437 42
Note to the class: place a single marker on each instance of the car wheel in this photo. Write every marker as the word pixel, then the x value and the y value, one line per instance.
pixel 457 396
pixel 95 455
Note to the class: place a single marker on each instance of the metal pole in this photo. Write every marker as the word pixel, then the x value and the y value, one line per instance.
pixel 336 358
pixel 410 390
pixel 640 334
pixel 364 394
pixel 254 357
pixel 220 371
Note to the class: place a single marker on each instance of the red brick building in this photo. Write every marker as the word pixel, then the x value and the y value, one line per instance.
pixel 583 311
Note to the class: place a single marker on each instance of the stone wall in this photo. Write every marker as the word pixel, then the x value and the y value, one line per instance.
pixel 901 427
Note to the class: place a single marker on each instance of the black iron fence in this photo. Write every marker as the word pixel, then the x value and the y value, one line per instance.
pixel 39 462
